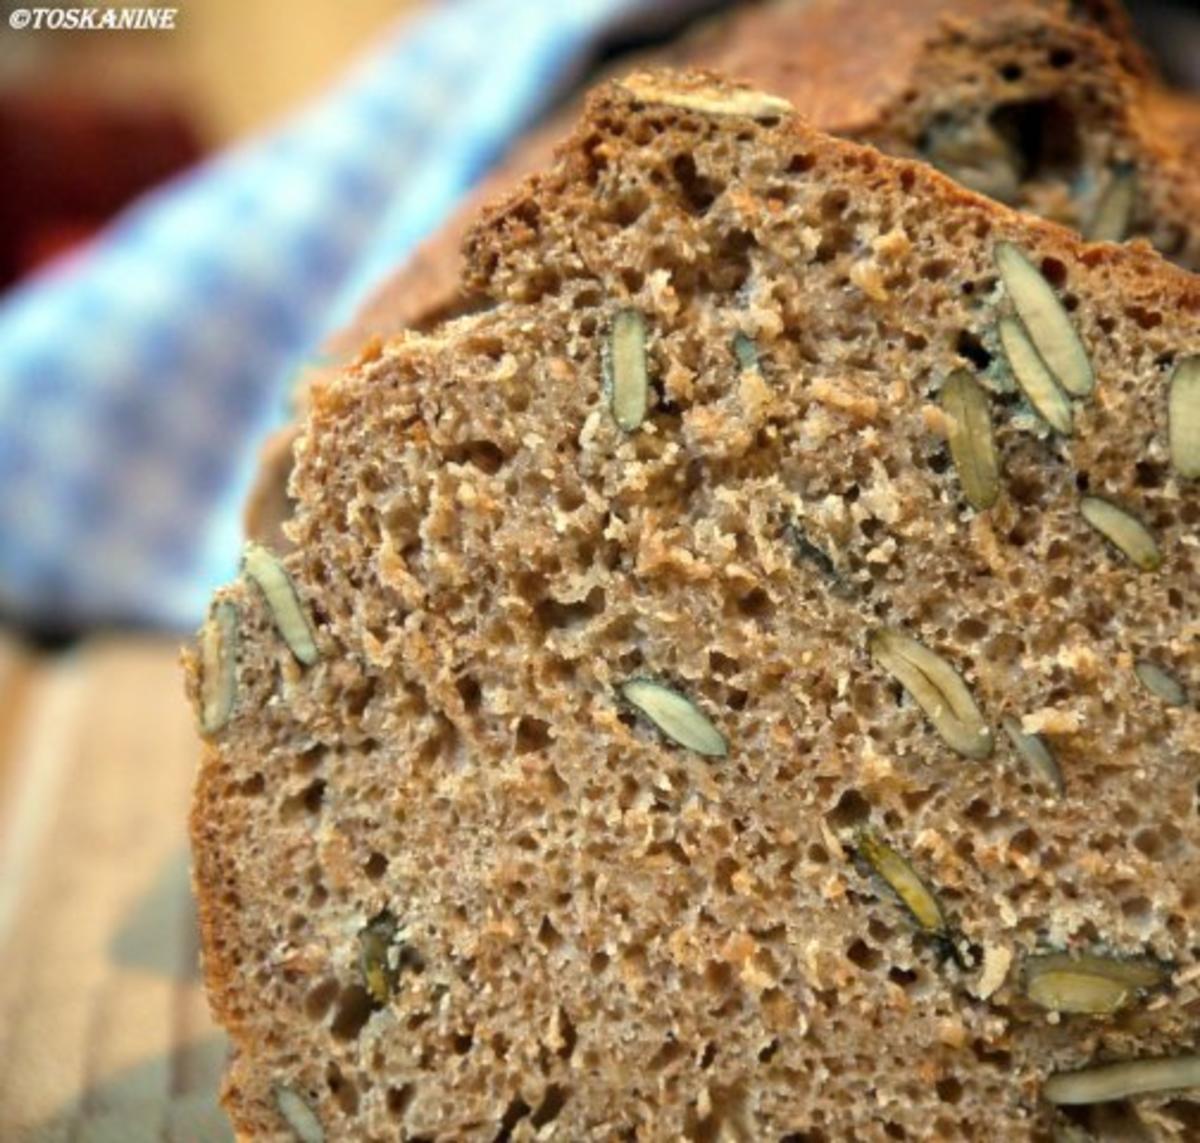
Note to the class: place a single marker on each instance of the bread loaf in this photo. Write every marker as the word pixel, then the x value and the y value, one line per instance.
pixel 1047 105
pixel 1042 105
pixel 707 700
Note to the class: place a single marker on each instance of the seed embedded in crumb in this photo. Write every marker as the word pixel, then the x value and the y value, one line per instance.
pixel 807 552
pixel 903 880
pixel 265 569
pixel 1036 381
pixel 375 943
pixel 218 657
pixel 937 688
pixel 1088 985
pixel 1114 208
pixel 1183 415
pixel 300 1117
pixel 746 352
pixel 1123 530
pixel 710 101
pixel 1160 683
pixel 972 443
pixel 677 717
pixel 1035 751
pixel 1120 1081
pixel 629 385
pixel 1047 323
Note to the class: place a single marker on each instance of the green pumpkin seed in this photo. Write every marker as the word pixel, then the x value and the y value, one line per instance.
pixel 628 381
pixel 299 1116
pixel 1036 381
pixel 746 352
pixel 677 717
pixel 903 880
pixel 265 569
pixel 1091 985
pixel 1162 684
pixel 937 688
pixel 972 444
pixel 1047 323
pixel 1183 414
pixel 1034 750
pixel 1120 1081
pixel 375 943
pixel 218 659
pixel 1123 530
pixel 1114 208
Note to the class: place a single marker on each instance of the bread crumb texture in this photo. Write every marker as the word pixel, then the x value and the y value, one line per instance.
pixel 1049 106
pixel 459 879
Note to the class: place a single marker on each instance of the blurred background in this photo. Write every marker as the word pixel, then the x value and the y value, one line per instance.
pixel 104 1032
pixel 87 122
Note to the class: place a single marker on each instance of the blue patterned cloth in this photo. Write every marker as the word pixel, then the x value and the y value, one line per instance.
pixel 138 378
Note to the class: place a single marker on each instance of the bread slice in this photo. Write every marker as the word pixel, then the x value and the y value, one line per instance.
pixel 690 759
pixel 1048 105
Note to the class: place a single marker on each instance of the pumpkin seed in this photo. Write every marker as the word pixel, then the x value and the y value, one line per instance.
pixel 1091 985
pixel 708 99
pixel 375 943
pixel 1033 749
pixel 1183 409
pixel 218 658
pixel 677 717
pixel 1047 323
pixel 972 444
pixel 1036 381
pixel 265 569
pixel 1162 684
pixel 903 880
pixel 745 351
pixel 937 688
pixel 1123 530
pixel 300 1117
pixel 1114 208
pixel 628 381
pixel 1120 1081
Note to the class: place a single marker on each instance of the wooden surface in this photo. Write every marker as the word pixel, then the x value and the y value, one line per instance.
pixel 104 1030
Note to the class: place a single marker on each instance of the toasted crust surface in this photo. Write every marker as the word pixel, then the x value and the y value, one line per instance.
pixel 589 930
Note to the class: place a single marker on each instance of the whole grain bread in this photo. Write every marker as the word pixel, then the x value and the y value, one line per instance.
pixel 1045 104
pixel 706 699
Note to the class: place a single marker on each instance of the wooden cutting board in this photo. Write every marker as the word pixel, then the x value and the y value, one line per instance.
pixel 104 1030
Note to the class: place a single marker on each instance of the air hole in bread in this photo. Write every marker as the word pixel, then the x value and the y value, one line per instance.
pixel 344 1092
pixel 1045 136
pixel 353 1010
pixel 852 810
pixel 470 692
pixel 698 191
pixel 516 1110
pixel 863 955
pixel 399 1099
pixel 319 998
pixel 307 801
pixel 553 1101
